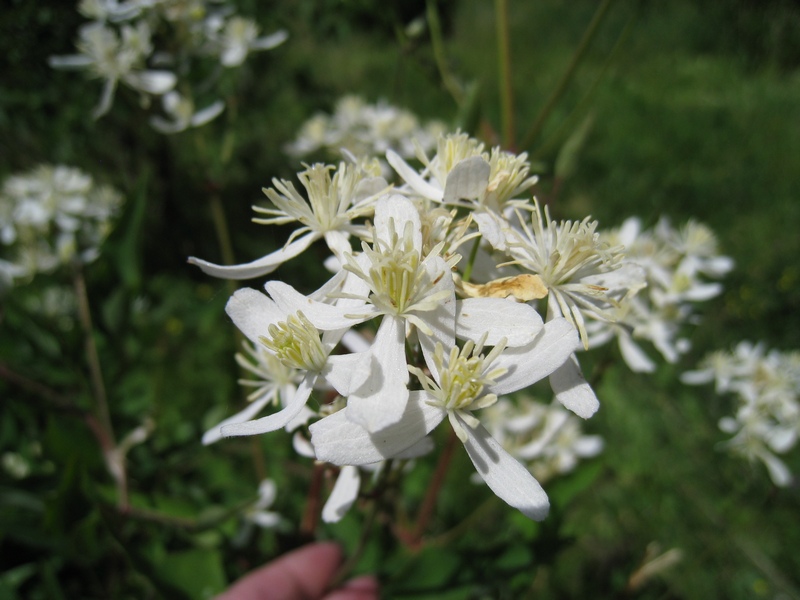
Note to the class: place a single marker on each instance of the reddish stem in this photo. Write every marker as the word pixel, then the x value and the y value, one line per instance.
pixel 429 502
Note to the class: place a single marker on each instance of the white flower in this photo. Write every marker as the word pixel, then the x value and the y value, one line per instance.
pixel 365 130
pixel 116 59
pixel 53 215
pixel 239 36
pixel 548 439
pixel 461 382
pixel 334 203
pixel 568 257
pixel 295 341
pixel 182 114
pixel 393 280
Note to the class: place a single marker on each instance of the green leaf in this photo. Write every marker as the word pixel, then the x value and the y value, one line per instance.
pixel 197 572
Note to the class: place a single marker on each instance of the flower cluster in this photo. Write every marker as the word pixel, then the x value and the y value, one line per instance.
pixel 365 130
pixel 676 265
pixel 767 387
pixel 51 216
pixel 546 438
pixel 146 44
pixel 407 334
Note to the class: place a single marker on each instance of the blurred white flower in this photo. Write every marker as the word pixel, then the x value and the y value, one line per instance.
pixel 239 36
pixel 116 58
pixel 766 421
pixel 547 439
pixel 365 130
pixel 50 216
pixel 182 114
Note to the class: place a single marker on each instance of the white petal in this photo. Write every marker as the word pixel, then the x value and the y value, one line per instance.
pixel 302 446
pixel 399 210
pixel 499 317
pixel 262 266
pixel 506 477
pixel 412 178
pixel 468 179
pixel 270 41
pixel 588 446
pixel 344 493
pixel 572 390
pixel 778 471
pixel 253 312
pixel 106 98
pixel 265 519
pixel 339 441
pixel 545 355
pixel 381 400
pixel 152 82
pixel 278 420
pixel 491 228
pixel 161 125
pixel 211 112
pixel 348 372
pixel 70 61
pixel 325 317
pixel 251 410
pixel 634 356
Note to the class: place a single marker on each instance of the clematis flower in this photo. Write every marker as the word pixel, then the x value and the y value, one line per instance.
pixel 116 59
pixel 461 383
pixel 295 341
pixel 239 36
pixel 391 279
pixel 183 115
pixel 334 202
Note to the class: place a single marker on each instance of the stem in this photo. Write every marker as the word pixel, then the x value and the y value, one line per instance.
pixel 429 502
pixel 102 428
pixel 569 123
pixel 504 69
pixel 473 253
pixel 93 358
pixel 311 516
pixel 448 80
pixel 561 87
pixel 221 228
pixel 366 531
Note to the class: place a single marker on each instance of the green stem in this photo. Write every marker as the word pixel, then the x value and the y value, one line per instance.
pixel 473 253
pixel 569 123
pixel 504 70
pixel 566 78
pixel 437 42
pixel 100 406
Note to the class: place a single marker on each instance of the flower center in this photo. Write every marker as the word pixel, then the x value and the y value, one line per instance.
pixel 296 343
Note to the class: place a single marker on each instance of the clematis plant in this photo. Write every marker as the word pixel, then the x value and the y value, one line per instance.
pixel 443 337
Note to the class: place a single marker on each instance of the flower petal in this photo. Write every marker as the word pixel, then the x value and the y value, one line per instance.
pixel 398 210
pixel 528 364
pixel 262 266
pixel 339 441
pixel 344 493
pixel 253 312
pixel 278 420
pixel 251 410
pixel 506 477
pixel 412 178
pixel 468 179
pixel 572 391
pixel 499 318
pixel 326 317
pixel 381 400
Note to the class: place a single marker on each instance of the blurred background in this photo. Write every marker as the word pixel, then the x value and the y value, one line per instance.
pixel 684 109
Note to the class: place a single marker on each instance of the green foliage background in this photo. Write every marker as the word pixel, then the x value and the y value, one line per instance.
pixel 695 112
